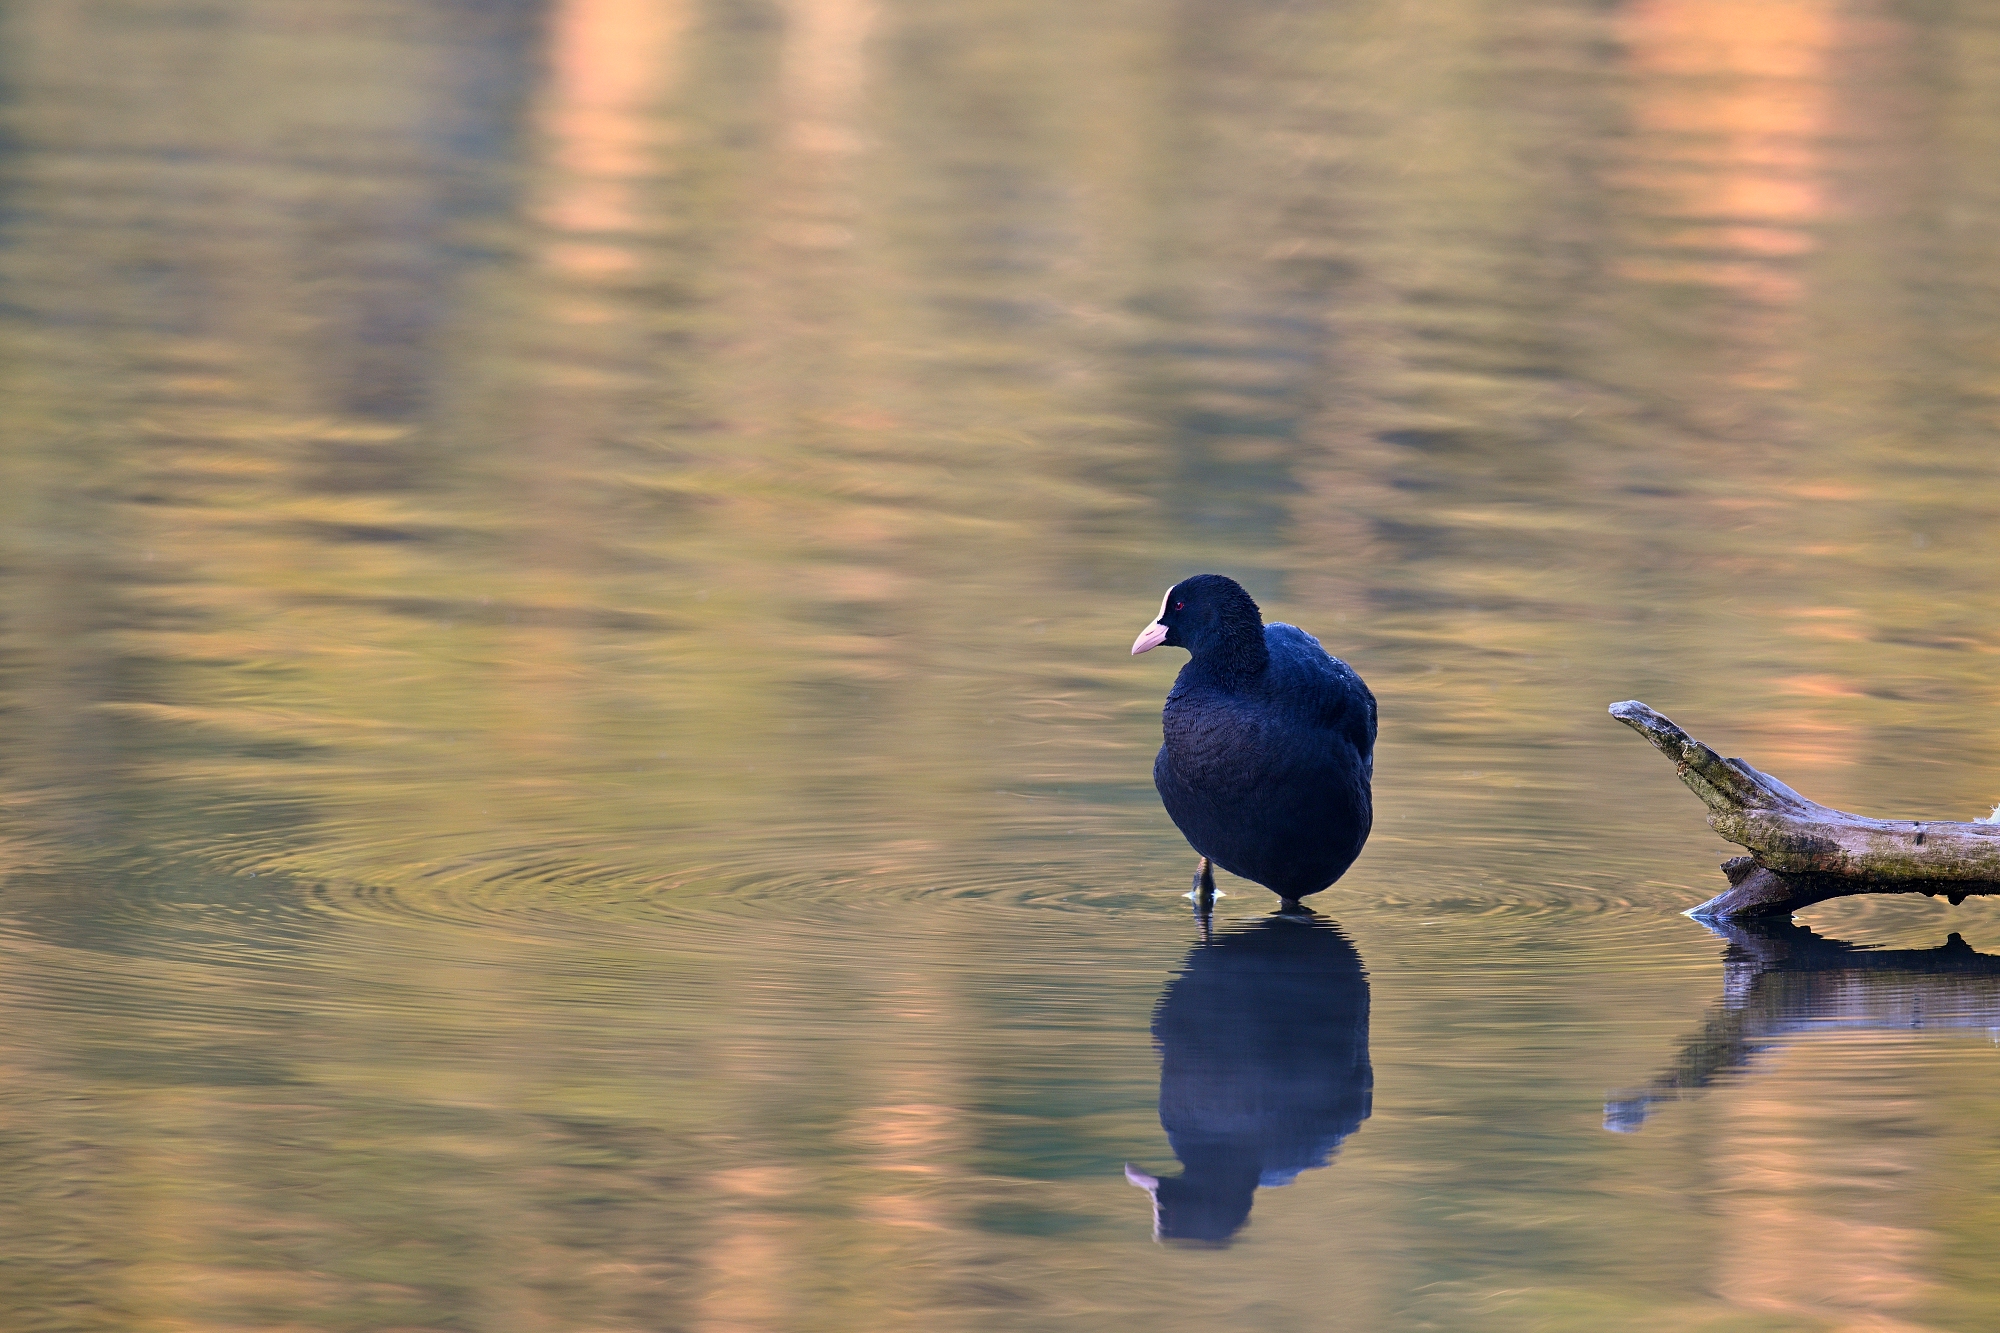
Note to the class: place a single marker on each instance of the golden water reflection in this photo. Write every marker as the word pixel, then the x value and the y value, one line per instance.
pixel 563 592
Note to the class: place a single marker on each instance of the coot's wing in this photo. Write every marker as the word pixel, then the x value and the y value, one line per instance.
pixel 1339 699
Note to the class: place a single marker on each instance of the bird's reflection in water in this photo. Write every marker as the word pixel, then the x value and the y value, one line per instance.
pixel 1779 979
pixel 1263 1040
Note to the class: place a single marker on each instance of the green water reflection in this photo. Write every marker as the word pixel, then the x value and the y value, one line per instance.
pixel 564 591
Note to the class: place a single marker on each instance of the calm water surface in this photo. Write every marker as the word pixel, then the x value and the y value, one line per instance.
pixel 571 760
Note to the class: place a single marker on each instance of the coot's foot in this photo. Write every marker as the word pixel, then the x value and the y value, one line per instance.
pixel 1204 898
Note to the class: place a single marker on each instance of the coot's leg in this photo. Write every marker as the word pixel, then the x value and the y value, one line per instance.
pixel 1290 906
pixel 1204 895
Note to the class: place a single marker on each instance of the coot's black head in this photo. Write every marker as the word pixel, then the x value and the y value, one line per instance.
pixel 1209 615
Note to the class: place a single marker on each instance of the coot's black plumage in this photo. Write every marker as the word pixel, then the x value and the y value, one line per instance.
pixel 1270 742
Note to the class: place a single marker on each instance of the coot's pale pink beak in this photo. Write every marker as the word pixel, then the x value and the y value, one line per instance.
pixel 1149 638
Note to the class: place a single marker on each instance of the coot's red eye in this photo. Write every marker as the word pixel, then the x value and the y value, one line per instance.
pixel 1179 605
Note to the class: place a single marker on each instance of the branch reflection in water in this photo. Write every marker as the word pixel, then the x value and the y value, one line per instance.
pixel 1780 980
pixel 1263 1040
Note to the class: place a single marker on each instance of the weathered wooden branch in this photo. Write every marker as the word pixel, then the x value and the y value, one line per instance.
pixel 1802 852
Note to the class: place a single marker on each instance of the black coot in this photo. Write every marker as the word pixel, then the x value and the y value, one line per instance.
pixel 1264 1069
pixel 1270 743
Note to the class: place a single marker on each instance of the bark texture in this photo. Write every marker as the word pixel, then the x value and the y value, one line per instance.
pixel 1802 852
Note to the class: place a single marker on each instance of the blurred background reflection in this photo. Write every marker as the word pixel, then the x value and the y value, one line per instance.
pixel 565 575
